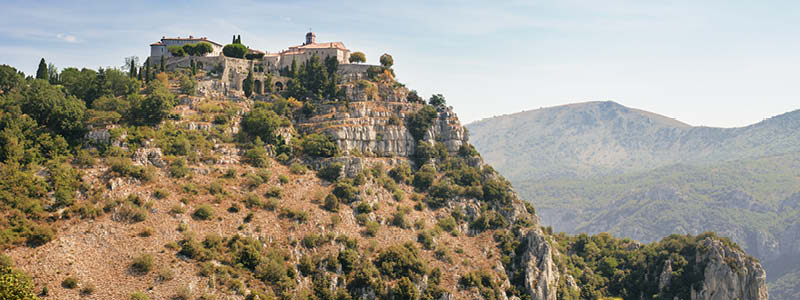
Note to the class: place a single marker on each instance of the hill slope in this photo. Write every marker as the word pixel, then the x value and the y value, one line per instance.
pixel 359 191
pixel 602 167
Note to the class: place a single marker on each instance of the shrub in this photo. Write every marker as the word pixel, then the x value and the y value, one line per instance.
pixel 401 261
pixel 331 172
pixel 372 228
pixel 401 173
pixel 87 289
pixel 39 235
pixel 263 123
pixel 298 168
pixel 234 50
pixel 142 264
pixel 283 179
pixel 257 157
pixel 424 178
pixel 345 191
pixel 426 239
pixel 203 212
pixel 274 192
pixel 160 193
pixel 319 145
pixel 69 282
pixel 488 220
pixel 178 168
pixel 420 121
pixel 331 203
pixel 448 224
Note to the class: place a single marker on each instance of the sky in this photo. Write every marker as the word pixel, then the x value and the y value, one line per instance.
pixel 707 63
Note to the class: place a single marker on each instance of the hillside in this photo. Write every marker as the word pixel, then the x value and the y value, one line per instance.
pixel 643 176
pixel 189 184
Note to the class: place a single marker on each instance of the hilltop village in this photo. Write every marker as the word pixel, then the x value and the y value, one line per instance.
pixel 237 61
pixel 224 172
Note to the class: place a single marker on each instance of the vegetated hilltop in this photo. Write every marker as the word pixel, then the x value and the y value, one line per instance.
pixel 601 167
pixel 114 188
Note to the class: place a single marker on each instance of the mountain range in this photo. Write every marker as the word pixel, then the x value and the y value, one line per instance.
pixel 603 167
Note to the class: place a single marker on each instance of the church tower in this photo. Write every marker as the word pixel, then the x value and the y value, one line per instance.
pixel 310 36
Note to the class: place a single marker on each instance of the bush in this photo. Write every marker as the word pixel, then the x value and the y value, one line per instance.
pixel 176 51
pixel 263 123
pixel 69 282
pixel 178 168
pixel 160 194
pixel 372 228
pixel 424 178
pixel 419 122
pixel 87 289
pixel 331 203
pixel 142 264
pixel 345 191
pixel 203 212
pixel 234 50
pixel 319 145
pixel 401 173
pixel 426 239
pixel 331 172
pixel 489 220
pixel 298 169
pixel 274 192
pixel 448 224
pixel 401 261
pixel 257 157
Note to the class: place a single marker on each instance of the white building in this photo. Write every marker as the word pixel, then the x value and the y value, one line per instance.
pixel 161 48
pixel 301 53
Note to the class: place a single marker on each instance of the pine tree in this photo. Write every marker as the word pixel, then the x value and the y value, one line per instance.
pixel 41 73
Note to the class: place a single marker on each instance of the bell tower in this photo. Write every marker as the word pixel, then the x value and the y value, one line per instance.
pixel 310 37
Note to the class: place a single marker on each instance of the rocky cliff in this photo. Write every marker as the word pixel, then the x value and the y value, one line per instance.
pixel 729 274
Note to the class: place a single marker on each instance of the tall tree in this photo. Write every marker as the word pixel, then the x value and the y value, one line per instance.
pixel 194 67
pixel 233 41
pixel 248 84
pixel 163 69
pixel 358 57
pixel 41 72
pixel 52 73
pixel 147 70
pixel 132 64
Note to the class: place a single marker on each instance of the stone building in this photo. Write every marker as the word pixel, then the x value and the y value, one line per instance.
pixel 309 48
pixel 160 48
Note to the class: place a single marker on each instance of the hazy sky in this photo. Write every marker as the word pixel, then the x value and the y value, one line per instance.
pixel 714 63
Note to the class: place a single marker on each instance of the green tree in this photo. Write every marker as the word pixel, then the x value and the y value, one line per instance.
pixel 80 83
pixel 263 123
pixel 41 72
pixel 202 48
pixel 155 107
pixel 319 145
pixel 193 67
pixel 163 68
pixel 176 51
pixel 358 57
pixel 234 50
pixel 386 60
pixel 10 78
pixel 52 73
pixel 132 64
pixel 437 100
pixel 50 108
pixel 248 83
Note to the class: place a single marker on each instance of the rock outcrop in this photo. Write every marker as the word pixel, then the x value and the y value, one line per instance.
pixel 541 273
pixel 729 274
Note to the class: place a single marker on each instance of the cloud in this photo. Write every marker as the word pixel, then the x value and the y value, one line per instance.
pixel 67 38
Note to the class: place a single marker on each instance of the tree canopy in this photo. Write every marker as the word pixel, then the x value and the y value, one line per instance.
pixel 234 50
pixel 386 60
pixel 358 57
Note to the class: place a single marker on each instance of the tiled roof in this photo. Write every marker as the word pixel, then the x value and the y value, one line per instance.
pixel 202 39
pixel 338 45
pixel 157 44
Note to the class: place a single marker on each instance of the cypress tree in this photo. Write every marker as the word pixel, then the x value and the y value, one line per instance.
pixel 162 64
pixel 248 83
pixel 132 71
pixel 239 39
pixel 139 74
pixel 147 70
pixel 41 73
pixel 194 67
pixel 233 41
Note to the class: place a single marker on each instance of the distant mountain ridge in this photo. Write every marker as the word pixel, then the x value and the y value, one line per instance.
pixel 603 167
pixel 593 138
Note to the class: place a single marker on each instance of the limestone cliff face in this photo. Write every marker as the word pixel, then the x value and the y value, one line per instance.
pixel 541 273
pixel 730 274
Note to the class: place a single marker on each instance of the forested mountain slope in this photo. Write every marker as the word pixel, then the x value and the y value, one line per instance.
pixel 601 167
